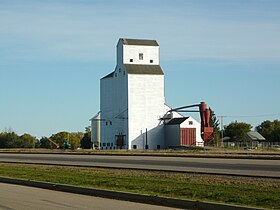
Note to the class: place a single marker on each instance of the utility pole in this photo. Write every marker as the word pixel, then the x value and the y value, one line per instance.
pixel 222 130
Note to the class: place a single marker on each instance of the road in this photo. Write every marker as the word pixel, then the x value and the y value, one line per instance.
pixel 13 197
pixel 249 167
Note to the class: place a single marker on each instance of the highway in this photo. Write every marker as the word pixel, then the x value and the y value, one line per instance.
pixel 244 167
pixel 15 197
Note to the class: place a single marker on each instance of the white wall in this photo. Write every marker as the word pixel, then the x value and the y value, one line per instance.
pixel 113 106
pixel 95 129
pixel 196 125
pixel 145 106
pixel 127 52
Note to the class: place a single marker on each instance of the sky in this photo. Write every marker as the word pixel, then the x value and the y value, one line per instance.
pixel 54 52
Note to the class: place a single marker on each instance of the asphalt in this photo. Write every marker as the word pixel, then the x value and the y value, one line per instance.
pixel 242 167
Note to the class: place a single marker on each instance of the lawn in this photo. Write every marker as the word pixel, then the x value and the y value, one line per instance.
pixel 224 189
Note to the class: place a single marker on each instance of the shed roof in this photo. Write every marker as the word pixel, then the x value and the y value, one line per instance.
pixel 255 136
pixel 143 69
pixel 176 121
pixel 108 75
pixel 143 42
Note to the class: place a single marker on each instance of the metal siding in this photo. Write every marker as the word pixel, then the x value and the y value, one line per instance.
pixel 187 136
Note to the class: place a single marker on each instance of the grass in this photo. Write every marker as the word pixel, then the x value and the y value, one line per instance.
pixel 256 192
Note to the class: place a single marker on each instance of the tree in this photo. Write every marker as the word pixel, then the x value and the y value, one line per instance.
pixel 270 130
pixel 65 139
pixel 214 122
pixel 237 130
pixel 45 143
pixel 86 140
pixel 12 140
pixel 26 141
pixel 9 140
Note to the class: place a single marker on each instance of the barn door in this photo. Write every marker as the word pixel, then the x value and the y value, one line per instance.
pixel 188 137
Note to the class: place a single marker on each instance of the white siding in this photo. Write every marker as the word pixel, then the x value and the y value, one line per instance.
pixel 113 105
pixel 132 52
pixel 146 106
pixel 196 125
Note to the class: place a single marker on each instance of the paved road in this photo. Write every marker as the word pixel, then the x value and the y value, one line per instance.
pixel 205 165
pixel 15 197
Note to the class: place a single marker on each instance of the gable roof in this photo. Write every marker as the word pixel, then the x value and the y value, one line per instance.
pixel 143 42
pixel 255 136
pixel 176 121
pixel 143 69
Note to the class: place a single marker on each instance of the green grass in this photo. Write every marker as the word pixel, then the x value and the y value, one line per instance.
pixel 224 189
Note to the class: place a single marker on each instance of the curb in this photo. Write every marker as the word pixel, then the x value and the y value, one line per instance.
pixel 133 197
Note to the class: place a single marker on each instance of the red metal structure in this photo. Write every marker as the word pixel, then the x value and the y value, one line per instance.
pixel 205 112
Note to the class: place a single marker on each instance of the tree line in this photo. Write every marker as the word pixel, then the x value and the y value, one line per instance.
pixel 60 140
pixel 270 130
pixel 66 140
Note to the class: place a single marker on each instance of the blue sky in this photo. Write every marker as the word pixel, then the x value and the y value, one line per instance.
pixel 53 53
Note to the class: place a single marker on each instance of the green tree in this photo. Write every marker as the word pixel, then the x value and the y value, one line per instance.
pixel 86 140
pixel 46 143
pixel 237 130
pixel 214 122
pixel 270 130
pixel 9 140
pixel 65 138
pixel 26 141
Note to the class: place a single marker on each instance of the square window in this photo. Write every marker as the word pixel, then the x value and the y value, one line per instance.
pixel 151 61
pixel 190 122
pixel 141 56
pixel 131 60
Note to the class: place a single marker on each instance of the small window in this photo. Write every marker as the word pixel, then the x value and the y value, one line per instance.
pixel 116 74
pixel 134 146
pixel 106 123
pixel 108 144
pixel 158 146
pixel 110 122
pixel 151 61
pixel 123 72
pixel 141 56
pixel 190 122
pixel 104 144
pixel 131 60
pixel 120 69
pixel 146 147
pixel 112 144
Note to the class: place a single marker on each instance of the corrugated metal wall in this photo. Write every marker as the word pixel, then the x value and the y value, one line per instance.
pixel 187 136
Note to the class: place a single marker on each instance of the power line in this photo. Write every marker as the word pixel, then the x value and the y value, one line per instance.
pixel 251 116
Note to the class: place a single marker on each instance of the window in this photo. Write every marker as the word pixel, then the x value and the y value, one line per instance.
pixel 104 144
pixel 123 72
pixel 110 122
pixel 106 123
pixel 190 122
pixel 112 144
pixel 158 146
pixel 131 60
pixel 151 61
pixel 116 74
pixel 120 69
pixel 134 146
pixel 108 144
pixel 141 56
